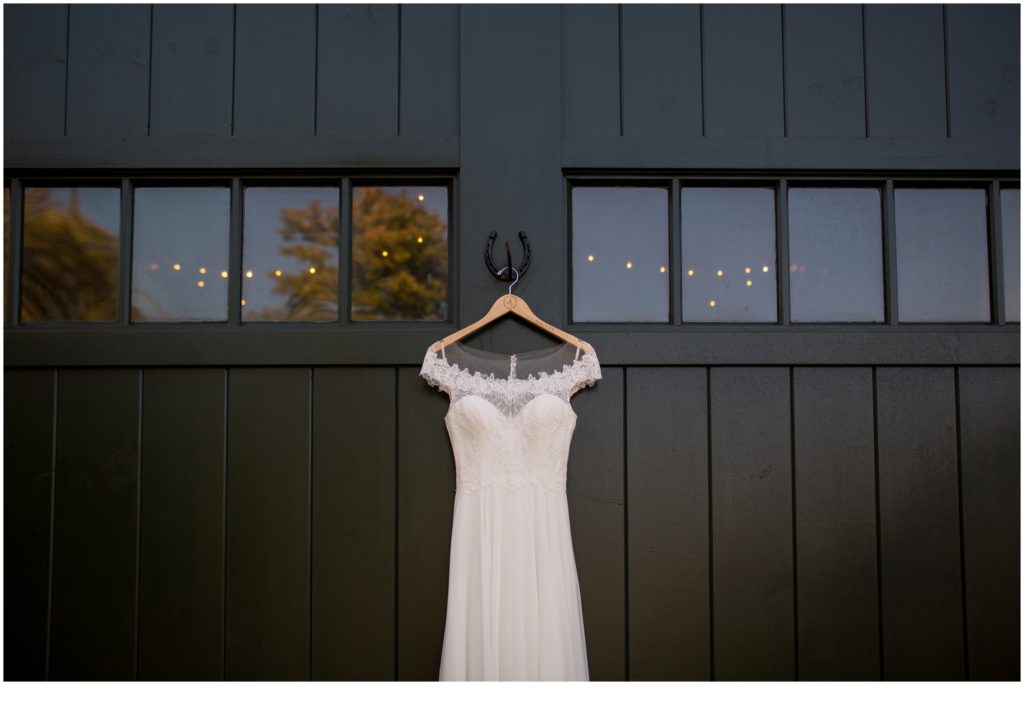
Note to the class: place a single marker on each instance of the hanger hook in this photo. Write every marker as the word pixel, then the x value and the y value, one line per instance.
pixel 514 281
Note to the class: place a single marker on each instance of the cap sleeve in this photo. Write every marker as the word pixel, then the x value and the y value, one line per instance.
pixel 586 372
pixel 435 371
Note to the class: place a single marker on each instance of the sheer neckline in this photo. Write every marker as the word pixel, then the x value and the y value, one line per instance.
pixel 532 377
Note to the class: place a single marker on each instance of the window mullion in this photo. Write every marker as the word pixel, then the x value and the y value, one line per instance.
pixel 235 255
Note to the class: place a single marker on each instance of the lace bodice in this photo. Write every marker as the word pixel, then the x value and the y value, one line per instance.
pixel 510 431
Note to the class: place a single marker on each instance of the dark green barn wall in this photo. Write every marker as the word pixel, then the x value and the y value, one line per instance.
pixel 777 502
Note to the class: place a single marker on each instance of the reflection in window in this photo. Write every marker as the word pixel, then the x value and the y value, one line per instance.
pixel 290 254
pixel 835 254
pixel 942 254
pixel 180 254
pixel 1010 201
pixel 728 249
pixel 70 254
pixel 620 266
pixel 399 253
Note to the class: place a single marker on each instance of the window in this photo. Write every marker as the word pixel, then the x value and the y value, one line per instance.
pixel 859 249
pixel 70 254
pixel 620 254
pixel 399 253
pixel 942 254
pixel 835 254
pixel 728 236
pixel 290 254
pixel 180 254
pixel 183 234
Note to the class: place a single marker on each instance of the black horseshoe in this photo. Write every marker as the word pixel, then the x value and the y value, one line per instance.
pixel 508 275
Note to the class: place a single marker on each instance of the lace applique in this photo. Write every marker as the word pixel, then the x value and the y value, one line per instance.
pixel 510 394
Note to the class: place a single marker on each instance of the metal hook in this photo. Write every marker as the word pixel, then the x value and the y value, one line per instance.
pixel 516 280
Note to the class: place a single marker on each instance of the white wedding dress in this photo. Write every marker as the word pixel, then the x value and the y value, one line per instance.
pixel 514 606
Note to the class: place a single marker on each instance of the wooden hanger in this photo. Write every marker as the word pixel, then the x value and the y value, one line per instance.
pixel 510 304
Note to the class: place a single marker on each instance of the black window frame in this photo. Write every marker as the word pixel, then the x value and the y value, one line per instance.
pixel 780 181
pixel 236 182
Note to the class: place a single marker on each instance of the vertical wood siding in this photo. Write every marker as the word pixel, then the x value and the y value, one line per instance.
pixel 871 70
pixel 738 523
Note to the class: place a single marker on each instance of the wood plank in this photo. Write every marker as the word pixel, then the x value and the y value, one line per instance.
pixel 268 524
pixel 354 557
pixel 667 529
pixel 837 578
pixel 193 56
pixel 181 575
pixel 35 69
pixel 590 70
pixel 357 70
pixel 743 70
pixel 751 524
pixel 905 70
pixel 661 81
pixel 922 614
pixel 92 628
pixel 275 62
pixel 28 480
pixel 824 69
pixel 595 488
pixel 509 115
pixel 429 99
pixel 108 70
pixel 990 473
pixel 426 503
pixel 984 70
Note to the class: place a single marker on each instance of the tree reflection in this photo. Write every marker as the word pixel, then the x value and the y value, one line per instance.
pixel 399 258
pixel 310 236
pixel 70 262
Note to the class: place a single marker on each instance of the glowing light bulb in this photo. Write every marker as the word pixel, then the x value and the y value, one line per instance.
pixel 746 269
pixel 711 303
pixel 177 267
pixel 629 264
pixel 384 253
pixel 312 270
pixel 243 302
pixel 248 273
pixel 201 283
pixel 277 273
pixel 690 273
pixel 720 273
pixel 419 239
pixel 590 258
pixel 749 283
pixel 202 271
pixel 223 273
pixel 764 269
pixel 662 269
pixel 419 197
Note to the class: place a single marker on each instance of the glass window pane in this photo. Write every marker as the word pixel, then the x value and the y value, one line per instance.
pixel 180 253
pixel 728 249
pixel 941 254
pixel 620 266
pixel 835 254
pixel 400 253
pixel 290 254
pixel 70 254
pixel 1010 200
